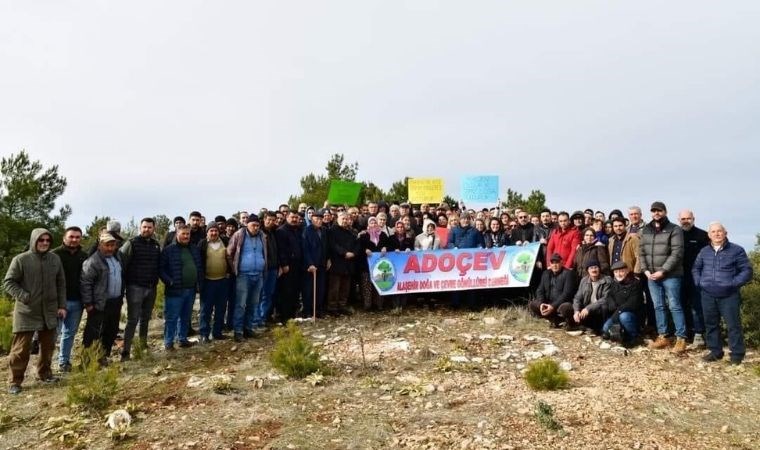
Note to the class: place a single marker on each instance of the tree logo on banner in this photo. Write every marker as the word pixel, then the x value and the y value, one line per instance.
pixel 522 267
pixel 384 274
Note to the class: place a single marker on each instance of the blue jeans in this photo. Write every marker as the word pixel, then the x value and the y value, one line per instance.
pixel 67 329
pixel 267 296
pixel 729 308
pixel 247 301
pixel 177 308
pixel 629 322
pixel 668 290
pixel 213 300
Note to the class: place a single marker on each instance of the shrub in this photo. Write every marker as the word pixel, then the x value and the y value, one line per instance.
pixel 545 416
pixel 545 375
pixel 90 387
pixel 750 311
pixel 293 354
pixel 6 324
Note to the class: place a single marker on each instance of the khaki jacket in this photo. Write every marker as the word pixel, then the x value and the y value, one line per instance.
pixel 37 283
pixel 630 252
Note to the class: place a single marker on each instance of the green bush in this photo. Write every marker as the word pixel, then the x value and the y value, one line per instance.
pixel 90 387
pixel 546 375
pixel 158 307
pixel 6 324
pixel 293 354
pixel 751 301
pixel 545 416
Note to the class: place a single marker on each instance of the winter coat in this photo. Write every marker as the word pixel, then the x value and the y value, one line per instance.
pixel 94 282
pixel 406 243
pixel 590 252
pixel 625 296
pixel 341 241
pixel 425 241
pixel 492 239
pixel 523 233
pixel 365 243
pixel 170 270
pixel 37 283
pixel 557 288
pixel 314 248
pixel 141 258
pixel 662 250
pixel 72 269
pixel 565 242
pixel 582 298
pixel 289 245
pixel 629 253
pixel 694 241
pixel 465 237
pixel 721 273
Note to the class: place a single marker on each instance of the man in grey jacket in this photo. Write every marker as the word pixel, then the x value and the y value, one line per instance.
pixel 589 301
pixel 661 260
pixel 36 281
pixel 102 291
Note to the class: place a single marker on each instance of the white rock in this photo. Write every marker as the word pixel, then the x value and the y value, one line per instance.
pixel 477 359
pixel 550 349
pixel 119 419
pixel 504 337
pixel 566 366
pixel 724 429
pixel 459 359
pixel 249 378
pixel 195 382
pixel 605 346
pixel 490 320
pixel 483 337
pixel 575 332
pixel 532 355
pixel 319 336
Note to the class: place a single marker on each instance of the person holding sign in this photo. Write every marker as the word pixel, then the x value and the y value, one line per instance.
pixel 371 240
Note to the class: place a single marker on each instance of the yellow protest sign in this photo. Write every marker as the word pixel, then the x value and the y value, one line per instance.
pixel 425 190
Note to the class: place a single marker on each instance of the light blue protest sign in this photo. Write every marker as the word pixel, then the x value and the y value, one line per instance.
pixel 480 189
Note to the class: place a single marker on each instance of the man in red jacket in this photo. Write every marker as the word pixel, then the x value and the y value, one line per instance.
pixel 564 240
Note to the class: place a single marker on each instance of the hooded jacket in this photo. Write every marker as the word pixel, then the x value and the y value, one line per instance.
pixel 37 283
pixel 425 241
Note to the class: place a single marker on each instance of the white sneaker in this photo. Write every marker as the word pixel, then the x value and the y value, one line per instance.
pixel 698 343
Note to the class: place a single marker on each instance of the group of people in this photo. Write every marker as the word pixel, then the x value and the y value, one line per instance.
pixel 612 275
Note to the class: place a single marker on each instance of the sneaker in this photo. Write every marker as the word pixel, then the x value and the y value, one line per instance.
pixel 698 343
pixel 14 389
pixel 710 357
pixel 660 343
pixel 680 347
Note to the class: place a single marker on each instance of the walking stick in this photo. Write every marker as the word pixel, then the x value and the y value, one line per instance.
pixel 314 290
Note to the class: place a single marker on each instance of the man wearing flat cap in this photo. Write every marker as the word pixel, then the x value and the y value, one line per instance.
pixel 661 257
pixel 102 285
pixel 624 303
pixel 554 292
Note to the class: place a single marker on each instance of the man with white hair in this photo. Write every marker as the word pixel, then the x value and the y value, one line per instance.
pixel 719 271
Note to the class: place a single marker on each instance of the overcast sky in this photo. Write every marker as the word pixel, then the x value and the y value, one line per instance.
pixel 166 107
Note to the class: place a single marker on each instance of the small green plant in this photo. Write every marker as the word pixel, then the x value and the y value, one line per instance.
pixel 90 387
pixel 293 354
pixel 6 324
pixel 140 350
pixel 545 416
pixel 158 306
pixel 546 375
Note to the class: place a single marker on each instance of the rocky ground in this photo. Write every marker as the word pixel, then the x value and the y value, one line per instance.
pixel 423 379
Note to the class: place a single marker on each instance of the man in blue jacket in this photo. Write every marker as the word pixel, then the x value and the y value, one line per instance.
pixel 465 236
pixel 719 271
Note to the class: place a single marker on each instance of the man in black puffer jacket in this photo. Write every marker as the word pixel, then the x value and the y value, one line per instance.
pixel 624 302
pixel 661 258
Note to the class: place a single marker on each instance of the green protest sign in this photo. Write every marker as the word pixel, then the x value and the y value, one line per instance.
pixel 343 192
